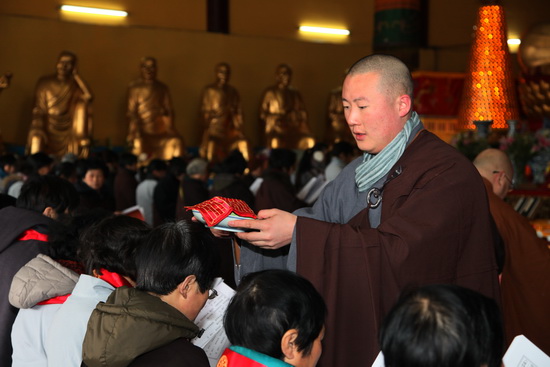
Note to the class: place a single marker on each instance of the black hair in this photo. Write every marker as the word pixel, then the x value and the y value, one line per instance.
pixel 9 159
pixel 281 158
pixel 111 245
pixel 234 163
pixel 156 165
pixel 177 166
pixel 173 251
pixel 39 160
pixel 65 170
pixel 40 192
pixel 6 200
pixel 442 325
pixel 85 165
pixel 64 234
pixel 268 304
pixel 127 159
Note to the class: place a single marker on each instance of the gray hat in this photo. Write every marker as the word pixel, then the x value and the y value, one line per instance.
pixel 196 166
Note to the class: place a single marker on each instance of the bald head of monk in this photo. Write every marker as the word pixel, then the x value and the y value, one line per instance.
pixel 495 166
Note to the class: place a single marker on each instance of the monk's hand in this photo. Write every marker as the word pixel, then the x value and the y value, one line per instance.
pixel 272 230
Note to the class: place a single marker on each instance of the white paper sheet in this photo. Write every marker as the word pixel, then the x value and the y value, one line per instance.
pixel 213 340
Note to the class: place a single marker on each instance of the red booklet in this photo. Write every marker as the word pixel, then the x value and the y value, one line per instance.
pixel 216 209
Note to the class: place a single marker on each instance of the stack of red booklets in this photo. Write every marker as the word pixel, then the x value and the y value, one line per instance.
pixel 218 208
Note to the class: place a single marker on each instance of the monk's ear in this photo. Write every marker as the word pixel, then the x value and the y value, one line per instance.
pixel 404 105
pixel 288 345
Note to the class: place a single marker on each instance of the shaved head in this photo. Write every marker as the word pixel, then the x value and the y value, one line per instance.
pixel 395 77
pixel 491 160
pixel 495 166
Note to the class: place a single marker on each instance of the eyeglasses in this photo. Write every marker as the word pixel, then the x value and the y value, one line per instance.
pixel 212 293
pixel 511 182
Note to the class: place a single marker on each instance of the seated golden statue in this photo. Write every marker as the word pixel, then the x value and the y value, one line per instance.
pixel 61 117
pixel 283 114
pixel 337 129
pixel 151 116
pixel 222 118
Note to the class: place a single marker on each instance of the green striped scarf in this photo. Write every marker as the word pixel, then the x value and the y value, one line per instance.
pixel 375 166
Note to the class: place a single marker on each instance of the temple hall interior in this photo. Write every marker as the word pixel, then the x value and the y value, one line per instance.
pixel 375 171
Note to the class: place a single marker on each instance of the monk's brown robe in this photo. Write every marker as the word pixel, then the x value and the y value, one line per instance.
pixel 435 227
pixel 525 282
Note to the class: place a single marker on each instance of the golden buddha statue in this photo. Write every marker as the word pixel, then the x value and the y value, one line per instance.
pixel 222 118
pixel 283 114
pixel 62 119
pixel 337 129
pixel 151 116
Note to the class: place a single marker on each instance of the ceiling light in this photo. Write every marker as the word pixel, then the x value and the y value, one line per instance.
pixel 97 11
pixel 334 31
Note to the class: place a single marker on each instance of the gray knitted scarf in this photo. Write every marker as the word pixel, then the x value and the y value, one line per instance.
pixel 375 166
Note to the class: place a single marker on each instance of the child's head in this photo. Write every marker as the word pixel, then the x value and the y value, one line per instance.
pixel 277 313
pixel 111 245
pixel 178 262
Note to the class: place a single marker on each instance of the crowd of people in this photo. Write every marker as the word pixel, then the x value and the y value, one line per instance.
pixel 400 253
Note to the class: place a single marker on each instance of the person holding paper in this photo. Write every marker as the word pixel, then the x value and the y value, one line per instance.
pixel 151 324
pixel 410 211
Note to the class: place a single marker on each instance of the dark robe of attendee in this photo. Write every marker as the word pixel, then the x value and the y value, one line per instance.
pixel 125 182
pixel 277 191
pixel 193 188
pixel 229 181
pixel 165 196
pixel 6 200
pixel 110 158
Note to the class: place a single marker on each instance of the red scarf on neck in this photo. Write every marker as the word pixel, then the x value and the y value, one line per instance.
pixel 114 279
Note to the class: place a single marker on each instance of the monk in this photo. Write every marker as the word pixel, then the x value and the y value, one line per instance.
pixel 525 277
pixel 410 211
